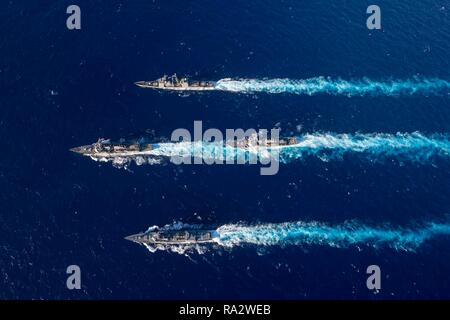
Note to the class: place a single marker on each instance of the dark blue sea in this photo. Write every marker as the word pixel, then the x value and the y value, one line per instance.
pixel 63 88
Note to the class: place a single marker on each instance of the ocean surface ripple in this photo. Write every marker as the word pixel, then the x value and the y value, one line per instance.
pixel 327 85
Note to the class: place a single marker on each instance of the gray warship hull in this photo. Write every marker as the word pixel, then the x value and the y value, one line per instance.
pixel 174 84
pixel 174 237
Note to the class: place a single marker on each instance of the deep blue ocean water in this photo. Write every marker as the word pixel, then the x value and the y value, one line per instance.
pixel 61 89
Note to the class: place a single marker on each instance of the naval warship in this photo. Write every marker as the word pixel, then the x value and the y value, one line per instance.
pixel 174 237
pixel 176 84
pixel 106 149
